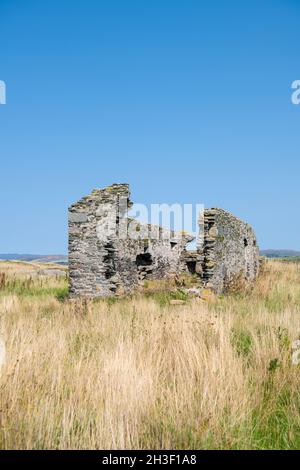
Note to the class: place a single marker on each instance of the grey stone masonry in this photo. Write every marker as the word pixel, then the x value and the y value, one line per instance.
pixel 110 253
pixel 230 250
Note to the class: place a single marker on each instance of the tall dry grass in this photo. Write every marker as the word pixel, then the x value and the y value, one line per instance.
pixel 135 374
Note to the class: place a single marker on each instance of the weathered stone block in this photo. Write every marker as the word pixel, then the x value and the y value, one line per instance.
pixel 77 217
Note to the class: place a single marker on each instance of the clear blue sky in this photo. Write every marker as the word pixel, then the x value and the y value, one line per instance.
pixel 188 101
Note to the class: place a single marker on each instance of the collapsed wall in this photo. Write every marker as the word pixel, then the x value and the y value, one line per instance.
pixel 110 253
pixel 230 250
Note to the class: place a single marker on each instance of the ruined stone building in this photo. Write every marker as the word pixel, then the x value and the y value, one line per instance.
pixel 110 253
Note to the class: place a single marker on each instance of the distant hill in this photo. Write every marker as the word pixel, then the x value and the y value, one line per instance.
pixel 280 253
pixel 58 259
pixel 63 259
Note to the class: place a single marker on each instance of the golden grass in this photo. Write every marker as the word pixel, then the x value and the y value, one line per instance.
pixel 132 373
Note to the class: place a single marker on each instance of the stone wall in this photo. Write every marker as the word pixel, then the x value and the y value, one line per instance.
pixel 230 250
pixel 110 253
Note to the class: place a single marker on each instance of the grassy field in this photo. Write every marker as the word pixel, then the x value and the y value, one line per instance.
pixel 140 372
